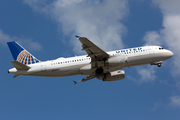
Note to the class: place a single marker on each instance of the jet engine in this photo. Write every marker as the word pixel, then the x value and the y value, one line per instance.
pixel 157 63
pixel 114 76
pixel 116 60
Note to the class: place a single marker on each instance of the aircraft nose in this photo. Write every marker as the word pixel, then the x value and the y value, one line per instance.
pixel 170 54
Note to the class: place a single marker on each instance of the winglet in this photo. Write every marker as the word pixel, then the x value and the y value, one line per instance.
pixel 77 36
pixel 74 82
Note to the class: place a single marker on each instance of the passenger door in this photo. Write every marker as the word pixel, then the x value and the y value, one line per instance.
pixel 43 67
pixel 150 49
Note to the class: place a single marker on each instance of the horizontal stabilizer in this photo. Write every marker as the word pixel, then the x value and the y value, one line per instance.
pixel 20 66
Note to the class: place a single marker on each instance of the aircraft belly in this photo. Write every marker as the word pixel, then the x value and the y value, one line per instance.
pixel 60 72
pixel 66 71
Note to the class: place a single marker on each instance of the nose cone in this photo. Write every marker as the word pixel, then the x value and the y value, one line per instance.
pixel 169 54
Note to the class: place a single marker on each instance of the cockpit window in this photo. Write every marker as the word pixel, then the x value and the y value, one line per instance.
pixel 161 48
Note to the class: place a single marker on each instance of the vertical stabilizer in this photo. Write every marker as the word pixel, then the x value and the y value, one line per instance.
pixel 20 54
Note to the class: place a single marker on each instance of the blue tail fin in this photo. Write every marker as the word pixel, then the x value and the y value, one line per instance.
pixel 20 54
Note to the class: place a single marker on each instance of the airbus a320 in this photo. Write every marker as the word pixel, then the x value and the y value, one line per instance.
pixel 105 66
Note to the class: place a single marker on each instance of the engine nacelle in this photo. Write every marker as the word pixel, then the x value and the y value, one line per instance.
pixel 114 76
pixel 157 63
pixel 115 60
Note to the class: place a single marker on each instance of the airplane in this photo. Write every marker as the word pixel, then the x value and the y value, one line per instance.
pixel 105 66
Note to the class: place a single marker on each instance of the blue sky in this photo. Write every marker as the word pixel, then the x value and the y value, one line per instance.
pixel 47 28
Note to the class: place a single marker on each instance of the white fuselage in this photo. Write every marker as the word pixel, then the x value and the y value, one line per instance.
pixel 82 64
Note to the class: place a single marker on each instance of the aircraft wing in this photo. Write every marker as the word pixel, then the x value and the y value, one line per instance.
pixel 85 79
pixel 92 50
